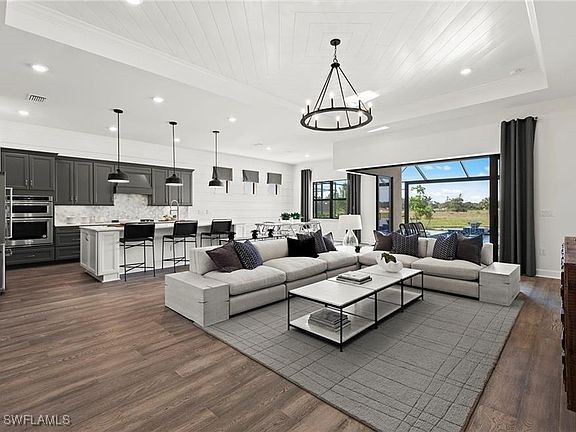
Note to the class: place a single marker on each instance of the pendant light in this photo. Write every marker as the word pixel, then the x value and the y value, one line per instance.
pixel 119 176
pixel 173 180
pixel 215 182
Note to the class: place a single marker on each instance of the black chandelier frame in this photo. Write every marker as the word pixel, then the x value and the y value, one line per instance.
pixel 309 117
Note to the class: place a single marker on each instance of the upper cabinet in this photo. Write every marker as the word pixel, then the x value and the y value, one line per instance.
pixel 74 182
pixel 163 195
pixel 27 171
pixel 103 189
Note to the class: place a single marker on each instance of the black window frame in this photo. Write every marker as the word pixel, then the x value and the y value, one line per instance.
pixel 330 200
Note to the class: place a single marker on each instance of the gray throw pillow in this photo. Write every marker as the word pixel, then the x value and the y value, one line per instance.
pixel 329 242
pixel 383 242
pixel 225 258
pixel 405 245
pixel 469 248
pixel 445 247
pixel 318 240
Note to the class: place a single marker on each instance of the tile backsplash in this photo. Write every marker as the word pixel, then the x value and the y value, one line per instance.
pixel 126 207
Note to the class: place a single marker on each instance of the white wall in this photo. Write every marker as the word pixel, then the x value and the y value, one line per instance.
pixel 207 203
pixel 323 170
pixel 555 164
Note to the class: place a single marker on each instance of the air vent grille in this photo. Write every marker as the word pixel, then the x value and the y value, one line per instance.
pixel 36 98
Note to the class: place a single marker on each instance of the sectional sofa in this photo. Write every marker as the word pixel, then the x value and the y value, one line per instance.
pixel 206 295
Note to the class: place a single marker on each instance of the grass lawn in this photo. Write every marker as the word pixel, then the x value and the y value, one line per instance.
pixel 450 219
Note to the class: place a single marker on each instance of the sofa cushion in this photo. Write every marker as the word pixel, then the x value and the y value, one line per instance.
pixel 338 259
pixel 298 267
pixel 406 245
pixel 243 281
pixel 200 262
pixel 454 269
pixel 372 257
pixel 270 249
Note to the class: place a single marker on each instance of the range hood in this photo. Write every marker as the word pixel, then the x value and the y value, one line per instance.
pixel 140 181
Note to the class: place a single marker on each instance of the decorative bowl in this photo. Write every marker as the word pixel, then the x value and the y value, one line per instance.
pixel 390 267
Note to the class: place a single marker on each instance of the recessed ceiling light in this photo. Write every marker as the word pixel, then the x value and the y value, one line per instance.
pixel 268 148
pixel 112 128
pixel 40 68
pixel 516 71
pixel 176 139
pixel 23 113
pixel 381 128
pixel 466 71
pixel 232 119
pixel 134 2
pixel 158 99
pixel 306 155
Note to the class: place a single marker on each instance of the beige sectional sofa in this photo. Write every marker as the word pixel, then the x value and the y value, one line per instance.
pixel 454 276
pixel 279 274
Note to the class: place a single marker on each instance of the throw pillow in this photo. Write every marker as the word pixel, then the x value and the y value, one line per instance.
pixel 248 254
pixel 302 248
pixel 225 258
pixel 469 248
pixel 405 245
pixel 383 241
pixel 445 247
pixel 329 242
pixel 318 240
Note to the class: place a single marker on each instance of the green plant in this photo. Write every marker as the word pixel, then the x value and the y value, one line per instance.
pixel 420 205
pixel 285 216
pixel 295 215
pixel 388 257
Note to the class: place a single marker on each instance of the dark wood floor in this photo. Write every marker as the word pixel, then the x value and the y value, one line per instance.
pixel 114 359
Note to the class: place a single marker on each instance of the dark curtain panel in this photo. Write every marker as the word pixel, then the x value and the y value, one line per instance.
pixel 305 194
pixel 517 244
pixel 353 201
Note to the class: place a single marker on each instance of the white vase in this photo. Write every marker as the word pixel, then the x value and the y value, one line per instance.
pixel 390 267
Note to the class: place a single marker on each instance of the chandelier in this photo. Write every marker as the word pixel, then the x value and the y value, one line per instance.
pixel 336 114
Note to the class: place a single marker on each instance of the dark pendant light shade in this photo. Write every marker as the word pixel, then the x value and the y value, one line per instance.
pixel 119 176
pixel 173 180
pixel 215 182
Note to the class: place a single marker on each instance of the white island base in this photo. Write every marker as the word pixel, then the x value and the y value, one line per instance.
pixel 101 254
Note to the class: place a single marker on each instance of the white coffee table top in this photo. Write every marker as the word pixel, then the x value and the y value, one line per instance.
pixel 405 273
pixel 332 293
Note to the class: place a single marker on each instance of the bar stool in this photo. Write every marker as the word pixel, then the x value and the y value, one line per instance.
pixel 218 228
pixel 183 232
pixel 138 235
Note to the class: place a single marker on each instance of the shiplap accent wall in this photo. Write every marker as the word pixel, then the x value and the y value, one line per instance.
pixel 208 204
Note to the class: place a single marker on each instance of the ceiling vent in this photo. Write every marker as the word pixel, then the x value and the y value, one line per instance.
pixel 36 98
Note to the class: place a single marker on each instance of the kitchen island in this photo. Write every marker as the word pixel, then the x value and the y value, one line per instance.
pixel 101 254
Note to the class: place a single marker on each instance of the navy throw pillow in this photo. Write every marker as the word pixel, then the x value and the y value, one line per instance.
pixel 445 247
pixel 302 248
pixel 248 254
pixel 405 245
pixel 469 248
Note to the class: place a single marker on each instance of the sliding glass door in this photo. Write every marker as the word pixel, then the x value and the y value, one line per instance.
pixel 384 204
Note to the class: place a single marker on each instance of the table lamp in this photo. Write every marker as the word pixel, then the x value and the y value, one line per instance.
pixel 350 223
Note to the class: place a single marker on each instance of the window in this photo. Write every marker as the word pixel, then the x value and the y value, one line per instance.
pixel 329 199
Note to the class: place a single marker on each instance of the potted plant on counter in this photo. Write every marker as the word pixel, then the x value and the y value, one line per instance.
pixel 295 216
pixel 285 216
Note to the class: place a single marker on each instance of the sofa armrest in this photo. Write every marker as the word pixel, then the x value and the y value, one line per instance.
pixel 487 254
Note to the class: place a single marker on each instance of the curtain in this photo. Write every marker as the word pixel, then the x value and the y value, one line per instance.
pixel 353 201
pixel 517 244
pixel 305 194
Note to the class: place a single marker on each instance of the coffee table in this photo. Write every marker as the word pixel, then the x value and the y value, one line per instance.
pixel 365 305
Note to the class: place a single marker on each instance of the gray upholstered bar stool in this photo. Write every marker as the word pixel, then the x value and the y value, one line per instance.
pixel 136 235
pixel 183 232
pixel 218 228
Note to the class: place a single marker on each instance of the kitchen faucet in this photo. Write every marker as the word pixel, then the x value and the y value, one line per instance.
pixel 177 209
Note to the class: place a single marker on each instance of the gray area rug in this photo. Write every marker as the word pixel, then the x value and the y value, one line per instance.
pixel 421 370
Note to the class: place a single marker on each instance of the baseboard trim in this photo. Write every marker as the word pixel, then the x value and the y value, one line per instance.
pixel 553 274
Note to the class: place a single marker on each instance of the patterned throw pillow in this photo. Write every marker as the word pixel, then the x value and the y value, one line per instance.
pixel 329 242
pixel 445 247
pixel 225 258
pixel 405 245
pixel 383 241
pixel 469 248
pixel 248 254
pixel 318 240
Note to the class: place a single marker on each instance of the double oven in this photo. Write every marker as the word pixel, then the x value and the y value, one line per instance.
pixel 31 220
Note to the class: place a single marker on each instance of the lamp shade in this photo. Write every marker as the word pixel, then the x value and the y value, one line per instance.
pixel 350 222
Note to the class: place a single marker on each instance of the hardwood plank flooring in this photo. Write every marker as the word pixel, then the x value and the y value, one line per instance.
pixel 115 359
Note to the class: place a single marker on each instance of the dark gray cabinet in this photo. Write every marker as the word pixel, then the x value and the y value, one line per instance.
pixel 162 195
pixel 74 182
pixel 29 171
pixel 174 192
pixel 67 243
pixel 187 188
pixel 103 190
pixel 159 195
pixel 29 255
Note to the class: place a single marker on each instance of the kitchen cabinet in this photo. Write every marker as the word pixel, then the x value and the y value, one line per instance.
pixel 174 192
pixel 67 243
pixel 29 255
pixel 99 252
pixel 162 195
pixel 103 190
pixel 187 188
pixel 74 182
pixel 26 171
pixel 159 195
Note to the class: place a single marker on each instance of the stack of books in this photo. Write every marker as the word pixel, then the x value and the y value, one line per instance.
pixel 354 277
pixel 329 319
